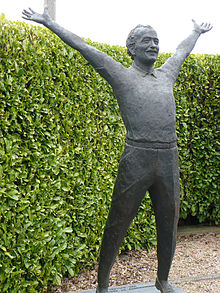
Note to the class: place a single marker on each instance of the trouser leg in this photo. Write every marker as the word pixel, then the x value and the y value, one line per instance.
pixel 115 231
pixel 130 188
pixel 165 198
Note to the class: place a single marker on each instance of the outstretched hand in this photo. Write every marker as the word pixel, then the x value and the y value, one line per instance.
pixel 201 28
pixel 34 16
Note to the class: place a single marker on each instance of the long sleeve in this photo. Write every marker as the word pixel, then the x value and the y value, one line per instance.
pixel 174 63
pixel 106 66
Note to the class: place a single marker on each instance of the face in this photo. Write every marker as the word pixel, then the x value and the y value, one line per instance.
pixel 146 47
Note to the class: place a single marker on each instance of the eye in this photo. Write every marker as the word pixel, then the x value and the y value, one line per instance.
pixel 156 41
pixel 146 40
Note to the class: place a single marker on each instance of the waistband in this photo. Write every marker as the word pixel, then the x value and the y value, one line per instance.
pixel 151 145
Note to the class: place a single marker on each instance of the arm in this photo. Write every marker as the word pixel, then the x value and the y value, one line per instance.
pixel 174 63
pixel 69 38
pixel 186 46
pixel 103 63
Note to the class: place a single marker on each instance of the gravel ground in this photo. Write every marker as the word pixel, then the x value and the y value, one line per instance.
pixel 195 268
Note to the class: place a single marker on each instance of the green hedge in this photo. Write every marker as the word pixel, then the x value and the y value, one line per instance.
pixel 61 137
pixel 197 92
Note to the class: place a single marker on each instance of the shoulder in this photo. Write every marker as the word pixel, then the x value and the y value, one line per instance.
pixel 172 66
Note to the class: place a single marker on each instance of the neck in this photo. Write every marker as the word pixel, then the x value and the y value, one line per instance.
pixel 148 68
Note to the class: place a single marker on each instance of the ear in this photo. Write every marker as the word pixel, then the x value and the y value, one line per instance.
pixel 132 49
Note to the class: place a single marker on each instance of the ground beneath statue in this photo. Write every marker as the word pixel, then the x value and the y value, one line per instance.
pixel 196 266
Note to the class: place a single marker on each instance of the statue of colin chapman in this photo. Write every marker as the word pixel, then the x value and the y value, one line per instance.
pixel 150 157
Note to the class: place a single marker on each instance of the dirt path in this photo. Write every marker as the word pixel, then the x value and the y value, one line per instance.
pixel 195 268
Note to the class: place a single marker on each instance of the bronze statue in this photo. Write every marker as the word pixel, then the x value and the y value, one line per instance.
pixel 150 157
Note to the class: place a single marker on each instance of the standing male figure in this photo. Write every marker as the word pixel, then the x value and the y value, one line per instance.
pixel 150 158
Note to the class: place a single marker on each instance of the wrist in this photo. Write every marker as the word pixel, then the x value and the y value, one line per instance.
pixel 48 22
pixel 197 31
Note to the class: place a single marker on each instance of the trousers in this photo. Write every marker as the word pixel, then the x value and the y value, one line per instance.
pixel 143 167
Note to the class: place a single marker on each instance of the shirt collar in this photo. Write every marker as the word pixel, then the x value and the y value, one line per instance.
pixel 142 72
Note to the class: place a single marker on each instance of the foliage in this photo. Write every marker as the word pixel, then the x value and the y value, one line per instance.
pixel 61 137
pixel 197 100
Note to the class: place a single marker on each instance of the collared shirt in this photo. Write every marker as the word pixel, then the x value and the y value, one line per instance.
pixel 145 100
pixel 142 72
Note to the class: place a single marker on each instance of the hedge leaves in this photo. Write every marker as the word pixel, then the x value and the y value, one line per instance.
pixel 61 137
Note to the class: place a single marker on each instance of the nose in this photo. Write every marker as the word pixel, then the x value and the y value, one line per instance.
pixel 153 44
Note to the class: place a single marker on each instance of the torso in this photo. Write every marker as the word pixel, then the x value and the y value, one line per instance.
pixel 147 106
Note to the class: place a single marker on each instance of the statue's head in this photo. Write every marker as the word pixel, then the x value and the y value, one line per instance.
pixel 143 44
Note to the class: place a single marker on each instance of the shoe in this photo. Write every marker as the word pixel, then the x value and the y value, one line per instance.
pixel 165 287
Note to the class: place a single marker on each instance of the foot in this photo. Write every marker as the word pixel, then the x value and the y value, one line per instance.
pixel 101 290
pixel 164 286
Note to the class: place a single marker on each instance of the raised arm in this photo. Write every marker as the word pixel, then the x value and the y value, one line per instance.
pixel 103 63
pixel 174 63
pixel 186 46
pixel 68 37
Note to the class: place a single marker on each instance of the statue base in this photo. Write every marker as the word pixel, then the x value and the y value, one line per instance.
pixel 135 288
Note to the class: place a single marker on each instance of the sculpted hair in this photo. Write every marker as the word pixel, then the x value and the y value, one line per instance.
pixel 132 37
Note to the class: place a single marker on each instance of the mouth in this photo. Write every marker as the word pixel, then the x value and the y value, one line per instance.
pixel 151 54
pixel 152 51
